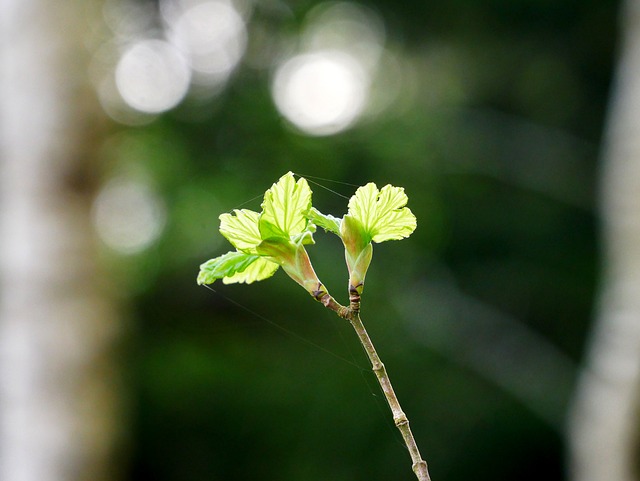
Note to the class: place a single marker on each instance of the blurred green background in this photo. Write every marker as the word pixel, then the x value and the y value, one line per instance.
pixel 490 115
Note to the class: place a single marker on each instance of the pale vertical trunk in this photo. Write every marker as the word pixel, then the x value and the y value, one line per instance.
pixel 604 422
pixel 56 325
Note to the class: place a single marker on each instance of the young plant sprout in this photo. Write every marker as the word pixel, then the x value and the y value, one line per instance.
pixel 277 236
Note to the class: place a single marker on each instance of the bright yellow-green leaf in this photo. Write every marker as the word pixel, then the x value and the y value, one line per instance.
pixel 284 208
pixel 382 213
pixel 241 229
pixel 259 270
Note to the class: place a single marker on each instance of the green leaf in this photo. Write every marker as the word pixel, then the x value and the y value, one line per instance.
pixel 284 207
pixel 241 229
pixel 226 265
pixel 306 236
pixel 258 270
pixel 327 222
pixel 270 231
pixel 294 260
pixel 353 234
pixel 279 249
pixel 382 213
pixel 358 250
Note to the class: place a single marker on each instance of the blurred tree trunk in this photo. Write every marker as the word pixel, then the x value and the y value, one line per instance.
pixel 605 423
pixel 57 398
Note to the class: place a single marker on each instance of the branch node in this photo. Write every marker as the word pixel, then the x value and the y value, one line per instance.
pixel 344 312
pixel 377 366
pixel 354 297
pixel 400 419
pixel 420 468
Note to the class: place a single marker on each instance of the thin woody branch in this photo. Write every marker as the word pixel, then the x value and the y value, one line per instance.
pixel 399 417
pixel 330 303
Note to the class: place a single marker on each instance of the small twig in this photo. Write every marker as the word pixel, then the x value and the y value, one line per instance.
pixel 399 417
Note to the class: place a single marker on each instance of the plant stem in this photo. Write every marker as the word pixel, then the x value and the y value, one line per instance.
pixel 399 417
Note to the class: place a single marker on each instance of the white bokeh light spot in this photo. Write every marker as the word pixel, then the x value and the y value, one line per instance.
pixel 348 27
pixel 321 93
pixel 128 215
pixel 212 35
pixel 152 76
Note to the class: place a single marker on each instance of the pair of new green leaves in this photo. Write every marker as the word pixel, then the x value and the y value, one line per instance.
pixel 276 237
